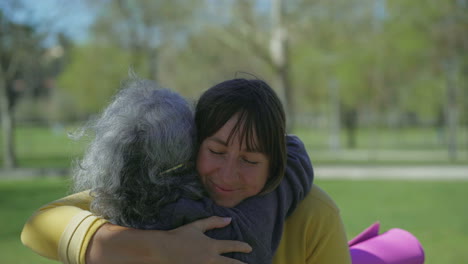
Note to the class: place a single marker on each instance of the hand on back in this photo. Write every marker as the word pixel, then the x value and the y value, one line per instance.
pixel 186 244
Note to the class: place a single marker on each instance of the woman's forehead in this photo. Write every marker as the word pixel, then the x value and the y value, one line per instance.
pixel 243 146
pixel 246 135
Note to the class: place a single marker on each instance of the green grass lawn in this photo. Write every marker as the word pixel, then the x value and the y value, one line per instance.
pixel 436 212
pixel 18 200
pixel 46 147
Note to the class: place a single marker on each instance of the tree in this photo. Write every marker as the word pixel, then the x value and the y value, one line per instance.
pixel 256 39
pixel 451 39
pixel 280 61
pixel 140 28
pixel 93 76
pixel 127 35
pixel 333 61
pixel 441 29
pixel 20 46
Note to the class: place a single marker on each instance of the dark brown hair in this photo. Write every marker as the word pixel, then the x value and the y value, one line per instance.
pixel 260 113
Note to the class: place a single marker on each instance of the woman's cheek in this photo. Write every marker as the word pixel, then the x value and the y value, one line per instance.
pixel 261 175
pixel 206 162
pixel 201 161
pixel 255 178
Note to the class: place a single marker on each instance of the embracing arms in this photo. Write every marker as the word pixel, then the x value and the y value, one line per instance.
pixel 174 246
pixel 43 230
pixel 43 235
pixel 65 229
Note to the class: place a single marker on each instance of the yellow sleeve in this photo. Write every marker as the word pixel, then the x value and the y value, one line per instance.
pixel 314 233
pixel 61 230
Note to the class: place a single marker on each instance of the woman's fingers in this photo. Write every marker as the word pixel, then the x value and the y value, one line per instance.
pixel 222 246
pixel 211 223
pixel 225 260
pixel 226 246
pixel 188 243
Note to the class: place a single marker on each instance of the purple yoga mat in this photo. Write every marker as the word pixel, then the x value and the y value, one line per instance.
pixel 396 246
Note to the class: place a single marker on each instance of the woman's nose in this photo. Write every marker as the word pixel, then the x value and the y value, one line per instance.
pixel 229 170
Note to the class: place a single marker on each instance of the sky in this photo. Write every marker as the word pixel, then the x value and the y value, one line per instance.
pixel 74 17
pixel 71 17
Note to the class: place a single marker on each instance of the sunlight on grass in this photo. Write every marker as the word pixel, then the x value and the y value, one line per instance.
pixel 18 200
pixel 435 212
pixel 46 147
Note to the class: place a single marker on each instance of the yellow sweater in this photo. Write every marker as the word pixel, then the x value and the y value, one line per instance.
pixel 313 234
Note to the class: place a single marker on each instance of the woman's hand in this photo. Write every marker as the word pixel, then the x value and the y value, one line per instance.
pixel 186 244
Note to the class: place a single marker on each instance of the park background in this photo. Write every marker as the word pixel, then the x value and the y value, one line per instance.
pixel 367 84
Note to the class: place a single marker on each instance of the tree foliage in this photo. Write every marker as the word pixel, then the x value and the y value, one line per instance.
pixel 93 76
pixel 352 63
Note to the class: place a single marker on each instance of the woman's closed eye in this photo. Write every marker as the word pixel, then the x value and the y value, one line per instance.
pixel 216 152
pixel 250 161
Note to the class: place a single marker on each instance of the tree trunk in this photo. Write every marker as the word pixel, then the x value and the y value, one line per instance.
pixel 451 110
pixel 280 59
pixel 335 115
pixel 153 63
pixel 9 156
pixel 284 84
pixel 350 123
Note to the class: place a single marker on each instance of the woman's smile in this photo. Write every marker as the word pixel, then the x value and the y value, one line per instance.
pixel 223 189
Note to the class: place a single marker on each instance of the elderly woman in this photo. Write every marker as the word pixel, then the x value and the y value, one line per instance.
pixel 241 161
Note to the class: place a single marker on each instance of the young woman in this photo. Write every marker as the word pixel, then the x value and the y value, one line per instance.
pixel 240 125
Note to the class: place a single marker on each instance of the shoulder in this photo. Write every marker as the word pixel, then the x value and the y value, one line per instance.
pixel 315 218
pixel 313 231
pixel 317 208
pixel 320 200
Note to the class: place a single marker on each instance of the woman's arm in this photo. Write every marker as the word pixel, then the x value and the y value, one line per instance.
pixel 43 235
pixel 43 230
pixel 185 244
pixel 63 229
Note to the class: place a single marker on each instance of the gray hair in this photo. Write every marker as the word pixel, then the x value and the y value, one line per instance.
pixel 141 157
